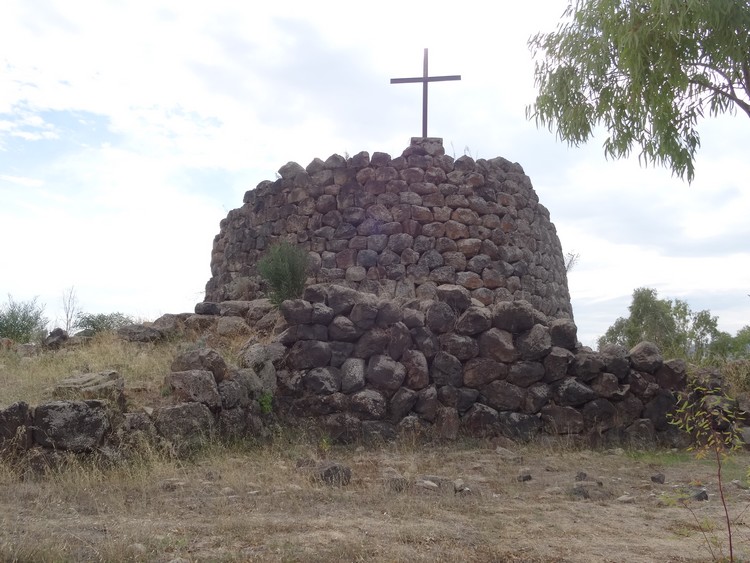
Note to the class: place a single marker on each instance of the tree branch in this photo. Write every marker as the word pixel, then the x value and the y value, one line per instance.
pixel 744 106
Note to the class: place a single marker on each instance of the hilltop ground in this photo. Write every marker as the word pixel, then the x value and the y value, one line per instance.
pixel 409 501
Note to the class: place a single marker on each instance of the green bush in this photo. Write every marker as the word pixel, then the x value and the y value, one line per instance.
pixel 94 324
pixel 284 268
pixel 22 321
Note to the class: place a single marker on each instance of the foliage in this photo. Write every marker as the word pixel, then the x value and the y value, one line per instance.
pixel 22 321
pixel 647 71
pixel 670 324
pixel 284 267
pixel 711 422
pixel 102 322
pixel 266 402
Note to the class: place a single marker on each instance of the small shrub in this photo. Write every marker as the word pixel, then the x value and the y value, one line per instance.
pixel 22 321
pixel 95 324
pixel 711 421
pixel 284 268
pixel 266 402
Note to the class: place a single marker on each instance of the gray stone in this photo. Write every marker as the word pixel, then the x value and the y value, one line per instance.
pixel 373 342
pixel 518 426
pixel 440 317
pixel 514 316
pixel 107 385
pixel 76 426
pixel 385 373
pixel 233 394
pixel 400 340
pixel 343 329
pixel 401 403
pixel 446 370
pixel 417 374
pixel 333 474
pixel 201 359
pixel 232 326
pixel 140 333
pixel 457 297
pixel 352 375
pixel 427 403
pixel 426 341
pixel 502 395
pixel 474 320
pixel 525 374
pixel 562 420
pixel 498 345
pixel 616 360
pixel 571 392
pixel 306 354
pixel 194 385
pixel 447 423
pixel 556 364
pixel 296 311
pixel 480 421
pixel 322 380
pixel 368 404
pixel 15 427
pixel 645 356
pixel 481 371
pixel 599 415
pixel 343 427
pixel 535 344
pixel 563 333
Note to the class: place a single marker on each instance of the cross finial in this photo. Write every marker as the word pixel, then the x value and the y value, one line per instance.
pixel 424 79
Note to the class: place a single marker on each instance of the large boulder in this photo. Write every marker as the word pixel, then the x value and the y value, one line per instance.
pixel 56 339
pixel 645 356
pixel 15 427
pixel 194 385
pixel 107 385
pixel 140 333
pixel 185 426
pixel 201 359
pixel 76 426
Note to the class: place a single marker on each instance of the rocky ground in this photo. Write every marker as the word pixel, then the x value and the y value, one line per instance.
pixel 290 501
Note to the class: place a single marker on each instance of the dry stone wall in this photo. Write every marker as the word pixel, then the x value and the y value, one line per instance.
pixel 363 366
pixel 399 228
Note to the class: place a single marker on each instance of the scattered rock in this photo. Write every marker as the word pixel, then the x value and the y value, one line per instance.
pixel 333 474
pixel 658 478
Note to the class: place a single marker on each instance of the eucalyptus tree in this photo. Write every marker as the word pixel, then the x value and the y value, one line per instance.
pixel 645 70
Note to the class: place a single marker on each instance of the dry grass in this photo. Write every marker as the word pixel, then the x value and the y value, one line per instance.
pixel 143 366
pixel 252 503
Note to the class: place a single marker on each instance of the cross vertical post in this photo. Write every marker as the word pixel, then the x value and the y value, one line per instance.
pixel 424 79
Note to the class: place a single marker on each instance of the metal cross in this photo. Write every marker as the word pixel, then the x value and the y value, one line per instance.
pixel 424 79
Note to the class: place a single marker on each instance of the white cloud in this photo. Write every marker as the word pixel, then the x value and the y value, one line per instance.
pixel 114 115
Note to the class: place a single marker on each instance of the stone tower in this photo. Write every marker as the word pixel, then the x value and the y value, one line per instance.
pixel 399 228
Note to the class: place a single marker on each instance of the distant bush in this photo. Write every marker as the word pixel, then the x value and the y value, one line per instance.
pixel 285 270
pixel 94 324
pixel 22 321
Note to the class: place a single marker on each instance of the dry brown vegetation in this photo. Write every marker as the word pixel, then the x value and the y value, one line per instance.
pixel 246 503
pixel 251 502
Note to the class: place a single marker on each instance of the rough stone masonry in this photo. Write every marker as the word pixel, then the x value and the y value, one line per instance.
pixel 437 296
pixel 399 228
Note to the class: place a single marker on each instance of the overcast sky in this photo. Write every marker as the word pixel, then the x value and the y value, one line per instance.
pixel 128 130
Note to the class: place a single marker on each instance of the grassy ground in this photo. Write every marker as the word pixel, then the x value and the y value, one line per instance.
pixel 251 502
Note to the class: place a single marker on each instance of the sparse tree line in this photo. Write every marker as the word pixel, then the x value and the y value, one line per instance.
pixel 679 331
pixel 25 321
